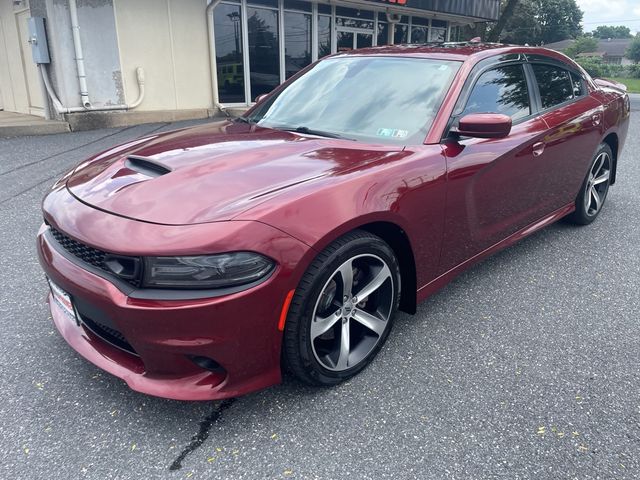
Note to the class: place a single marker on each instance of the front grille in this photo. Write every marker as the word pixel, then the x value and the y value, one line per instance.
pixel 108 334
pixel 87 254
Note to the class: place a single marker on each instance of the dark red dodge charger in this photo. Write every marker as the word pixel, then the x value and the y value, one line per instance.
pixel 197 264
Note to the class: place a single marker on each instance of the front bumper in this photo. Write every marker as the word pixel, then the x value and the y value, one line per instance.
pixel 238 331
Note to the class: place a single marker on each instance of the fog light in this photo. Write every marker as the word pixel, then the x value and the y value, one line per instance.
pixel 207 363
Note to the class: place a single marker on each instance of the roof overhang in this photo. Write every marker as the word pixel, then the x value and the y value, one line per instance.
pixel 471 10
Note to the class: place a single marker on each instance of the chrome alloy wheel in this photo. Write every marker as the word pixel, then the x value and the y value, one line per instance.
pixel 597 184
pixel 352 312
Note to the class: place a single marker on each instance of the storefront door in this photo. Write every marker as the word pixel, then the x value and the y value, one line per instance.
pixel 352 38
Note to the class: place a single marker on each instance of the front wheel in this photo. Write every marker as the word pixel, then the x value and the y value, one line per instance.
pixel 343 309
pixel 595 187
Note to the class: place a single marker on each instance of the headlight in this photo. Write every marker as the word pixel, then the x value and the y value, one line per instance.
pixel 210 271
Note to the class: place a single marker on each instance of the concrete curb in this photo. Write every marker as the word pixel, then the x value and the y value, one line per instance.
pixel 49 128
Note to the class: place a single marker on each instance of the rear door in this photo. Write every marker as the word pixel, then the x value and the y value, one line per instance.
pixel 575 122
pixel 493 184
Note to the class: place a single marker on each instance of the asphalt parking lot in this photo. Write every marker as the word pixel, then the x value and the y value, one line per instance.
pixel 527 366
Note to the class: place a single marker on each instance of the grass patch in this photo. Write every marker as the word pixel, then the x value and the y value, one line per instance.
pixel 633 84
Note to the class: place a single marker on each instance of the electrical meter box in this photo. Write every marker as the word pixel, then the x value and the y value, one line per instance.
pixel 38 40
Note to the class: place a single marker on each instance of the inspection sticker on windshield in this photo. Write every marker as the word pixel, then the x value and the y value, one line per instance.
pixel 392 132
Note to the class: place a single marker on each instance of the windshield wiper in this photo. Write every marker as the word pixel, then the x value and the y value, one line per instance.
pixel 310 131
pixel 243 120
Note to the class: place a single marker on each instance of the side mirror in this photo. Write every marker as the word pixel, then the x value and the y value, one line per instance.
pixel 261 97
pixel 484 125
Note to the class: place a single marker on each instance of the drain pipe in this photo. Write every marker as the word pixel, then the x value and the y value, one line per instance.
pixel 60 109
pixel 212 56
pixel 77 45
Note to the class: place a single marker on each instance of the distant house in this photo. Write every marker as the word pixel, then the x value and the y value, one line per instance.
pixel 610 50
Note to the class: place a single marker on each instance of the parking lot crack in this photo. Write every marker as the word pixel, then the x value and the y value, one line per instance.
pixel 203 433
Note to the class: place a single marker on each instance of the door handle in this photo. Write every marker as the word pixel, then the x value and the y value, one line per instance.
pixel 538 148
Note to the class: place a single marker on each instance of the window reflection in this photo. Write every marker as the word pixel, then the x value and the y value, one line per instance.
pixel 401 34
pixel 438 34
pixel 264 57
pixel 260 32
pixel 383 33
pixel 228 41
pixel 502 90
pixel 324 36
pixel 438 31
pixel 364 40
pixel 554 84
pixel 419 34
pixel 297 41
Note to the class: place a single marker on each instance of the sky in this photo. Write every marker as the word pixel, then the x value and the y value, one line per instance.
pixel 610 12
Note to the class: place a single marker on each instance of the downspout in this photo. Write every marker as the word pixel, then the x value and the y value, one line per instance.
pixel 212 56
pixel 77 45
pixel 82 76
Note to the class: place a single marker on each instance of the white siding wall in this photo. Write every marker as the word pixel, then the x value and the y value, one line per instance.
pixel 168 38
pixel 19 84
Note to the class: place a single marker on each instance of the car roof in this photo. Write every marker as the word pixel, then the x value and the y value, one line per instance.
pixel 460 51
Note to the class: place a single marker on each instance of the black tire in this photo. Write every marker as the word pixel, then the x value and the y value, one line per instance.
pixel 586 211
pixel 299 355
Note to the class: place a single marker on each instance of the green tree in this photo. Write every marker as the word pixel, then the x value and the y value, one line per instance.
pixel 633 52
pixel 581 45
pixel 537 22
pixel 507 9
pixel 610 31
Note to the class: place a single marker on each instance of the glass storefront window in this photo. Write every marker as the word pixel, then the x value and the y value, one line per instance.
pixel 419 34
pixel 344 41
pixel 419 21
pixel 297 5
pixel 383 33
pixel 354 23
pixel 438 31
pixel 228 42
pixel 324 8
pixel 324 36
pixel 266 3
pixel 401 34
pixel 438 34
pixel 297 42
pixel 354 13
pixel 354 28
pixel 264 56
pixel 364 40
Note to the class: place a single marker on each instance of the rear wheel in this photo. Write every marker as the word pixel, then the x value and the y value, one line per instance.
pixel 595 187
pixel 343 309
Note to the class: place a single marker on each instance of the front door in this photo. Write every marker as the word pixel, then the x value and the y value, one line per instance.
pixel 493 184
pixel 352 38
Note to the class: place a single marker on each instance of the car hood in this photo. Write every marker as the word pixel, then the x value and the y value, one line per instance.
pixel 211 173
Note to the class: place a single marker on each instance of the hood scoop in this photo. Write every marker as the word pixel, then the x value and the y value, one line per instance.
pixel 146 166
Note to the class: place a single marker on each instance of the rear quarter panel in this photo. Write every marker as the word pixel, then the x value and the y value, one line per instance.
pixel 616 114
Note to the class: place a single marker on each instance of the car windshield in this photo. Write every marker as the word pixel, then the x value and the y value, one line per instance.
pixel 377 99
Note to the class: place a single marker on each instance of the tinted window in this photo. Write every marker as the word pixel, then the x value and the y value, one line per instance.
pixel 502 90
pixel 554 83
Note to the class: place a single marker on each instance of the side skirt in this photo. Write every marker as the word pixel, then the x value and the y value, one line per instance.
pixel 441 281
